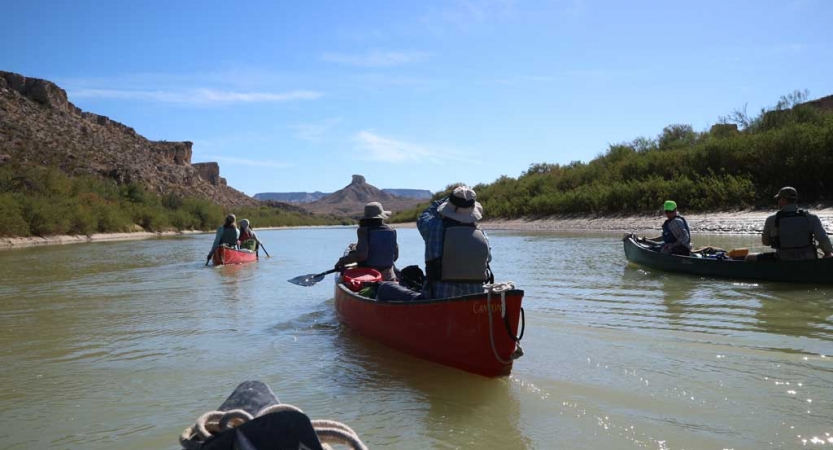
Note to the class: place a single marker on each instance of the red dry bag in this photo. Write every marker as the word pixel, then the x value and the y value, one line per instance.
pixel 356 278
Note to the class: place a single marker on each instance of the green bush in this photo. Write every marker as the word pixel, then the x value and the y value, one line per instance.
pixel 12 222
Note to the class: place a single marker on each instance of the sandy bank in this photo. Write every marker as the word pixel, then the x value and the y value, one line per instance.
pixel 734 222
pixel 15 242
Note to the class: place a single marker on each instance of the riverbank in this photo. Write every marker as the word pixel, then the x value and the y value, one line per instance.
pixel 32 241
pixel 728 222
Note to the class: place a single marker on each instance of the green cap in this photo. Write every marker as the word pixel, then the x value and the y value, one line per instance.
pixel 669 205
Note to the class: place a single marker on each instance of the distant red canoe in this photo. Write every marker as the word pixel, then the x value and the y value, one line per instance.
pixel 454 331
pixel 228 256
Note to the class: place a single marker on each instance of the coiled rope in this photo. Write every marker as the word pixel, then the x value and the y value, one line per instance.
pixel 215 422
pixel 502 288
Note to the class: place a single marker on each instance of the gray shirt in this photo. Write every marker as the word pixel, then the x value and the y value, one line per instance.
pixel 790 253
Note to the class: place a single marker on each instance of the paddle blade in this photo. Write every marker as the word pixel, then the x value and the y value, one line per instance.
pixel 307 280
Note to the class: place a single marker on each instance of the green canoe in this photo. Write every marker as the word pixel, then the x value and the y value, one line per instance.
pixel 645 254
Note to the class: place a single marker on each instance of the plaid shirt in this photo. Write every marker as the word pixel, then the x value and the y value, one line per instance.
pixel 678 229
pixel 430 226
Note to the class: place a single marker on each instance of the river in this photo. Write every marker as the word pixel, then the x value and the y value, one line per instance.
pixel 121 345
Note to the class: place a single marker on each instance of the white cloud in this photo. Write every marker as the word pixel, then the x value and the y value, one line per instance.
pixel 376 58
pixel 374 147
pixel 194 96
pixel 314 132
pixel 379 148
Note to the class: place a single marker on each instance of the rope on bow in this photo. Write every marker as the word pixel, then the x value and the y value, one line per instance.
pixel 502 288
pixel 214 422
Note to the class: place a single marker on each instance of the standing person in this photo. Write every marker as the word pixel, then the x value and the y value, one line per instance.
pixel 376 246
pixel 792 232
pixel 676 235
pixel 227 234
pixel 457 252
pixel 248 238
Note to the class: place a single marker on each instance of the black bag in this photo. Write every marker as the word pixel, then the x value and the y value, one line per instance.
pixel 412 278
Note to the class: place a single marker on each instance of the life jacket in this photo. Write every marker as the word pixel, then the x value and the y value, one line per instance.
pixel 465 256
pixel 381 246
pixel 792 231
pixel 245 234
pixel 229 236
pixel 668 236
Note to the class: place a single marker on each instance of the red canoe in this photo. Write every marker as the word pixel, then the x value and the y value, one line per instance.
pixel 454 331
pixel 227 256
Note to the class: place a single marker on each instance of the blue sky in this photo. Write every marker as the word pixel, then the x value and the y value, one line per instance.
pixel 298 96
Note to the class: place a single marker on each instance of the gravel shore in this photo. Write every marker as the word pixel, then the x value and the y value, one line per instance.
pixel 735 222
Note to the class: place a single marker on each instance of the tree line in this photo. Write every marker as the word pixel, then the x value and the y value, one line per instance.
pixel 739 163
pixel 44 201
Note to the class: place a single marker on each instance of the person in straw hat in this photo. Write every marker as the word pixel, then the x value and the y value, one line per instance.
pixel 792 232
pixel 376 246
pixel 457 252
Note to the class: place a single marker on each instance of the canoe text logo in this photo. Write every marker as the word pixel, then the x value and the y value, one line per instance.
pixel 480 308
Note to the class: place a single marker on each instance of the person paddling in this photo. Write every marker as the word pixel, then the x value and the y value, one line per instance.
pixel 376 245
pixel 676 235
pixel 248 238
pixel 227 234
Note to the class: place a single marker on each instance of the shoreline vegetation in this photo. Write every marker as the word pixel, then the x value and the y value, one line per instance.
pixel 747 222
pixel 42 202
pixel 737 165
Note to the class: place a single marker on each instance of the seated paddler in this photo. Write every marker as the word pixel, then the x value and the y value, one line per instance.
pixel 376 246
pixel 457 251
pixel 792 232
pixel 248 238
pixel 227 234
pixel 676 235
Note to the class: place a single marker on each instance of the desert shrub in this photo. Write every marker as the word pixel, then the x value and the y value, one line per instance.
pixel 12 222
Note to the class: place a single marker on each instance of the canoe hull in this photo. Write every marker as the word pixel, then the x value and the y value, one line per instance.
pixel 454 332
pixel 229 256
pixel 818 271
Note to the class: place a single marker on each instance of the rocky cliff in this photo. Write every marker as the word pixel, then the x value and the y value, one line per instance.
pixel 308 197
pixel 40 126
pixel 350 200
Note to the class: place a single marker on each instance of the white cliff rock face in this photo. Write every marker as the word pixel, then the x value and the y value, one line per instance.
pixel 40 126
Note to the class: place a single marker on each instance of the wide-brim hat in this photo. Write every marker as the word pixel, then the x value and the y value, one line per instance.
pixel 462 206
pixel 244 223
pixel 374 210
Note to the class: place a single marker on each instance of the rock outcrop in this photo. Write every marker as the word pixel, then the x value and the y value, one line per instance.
pixel 40 126
pixel 350 200
pixel 824 103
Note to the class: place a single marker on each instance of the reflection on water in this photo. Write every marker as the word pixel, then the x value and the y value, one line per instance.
pixel 123 344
